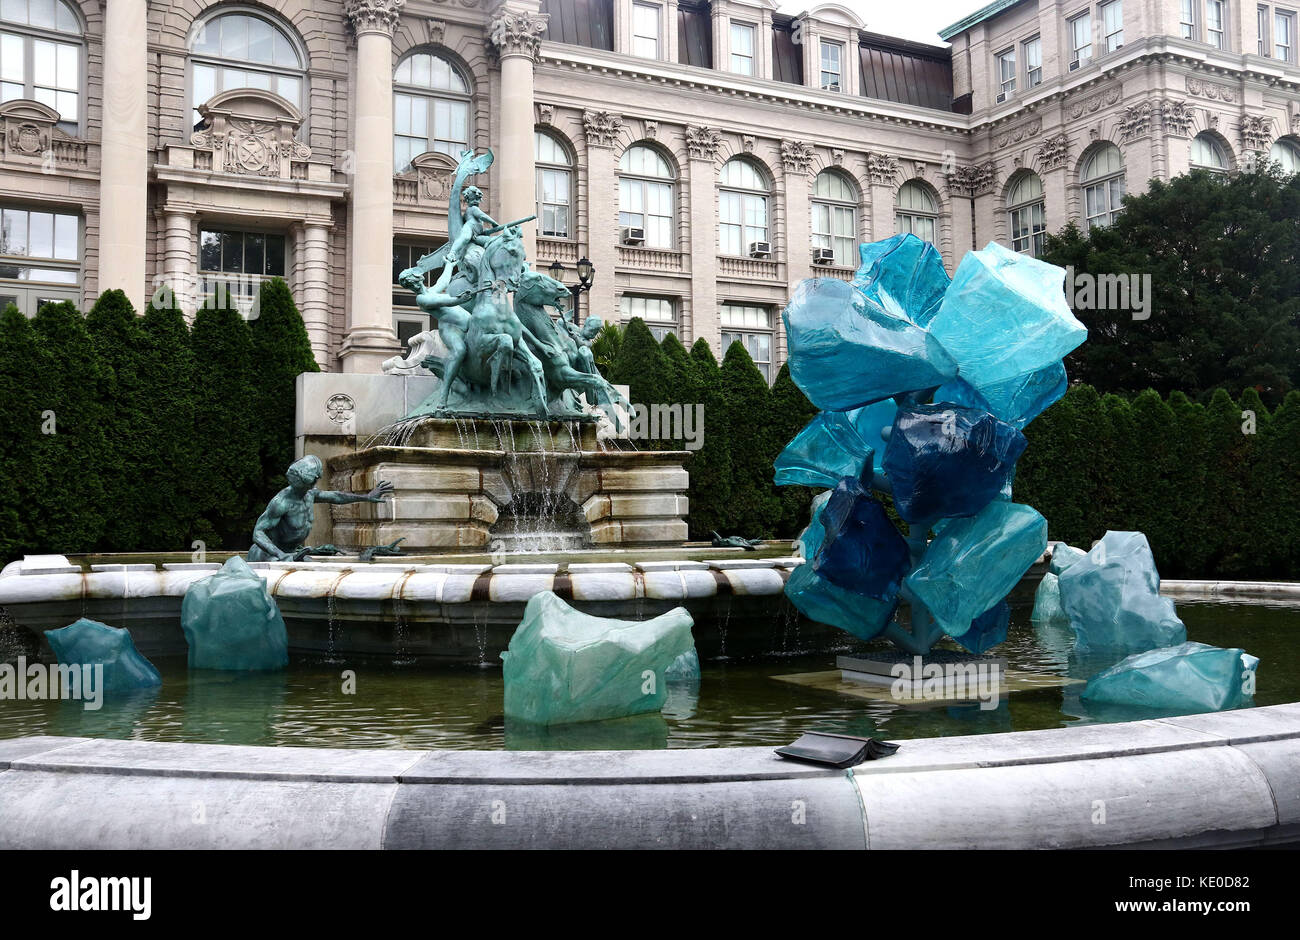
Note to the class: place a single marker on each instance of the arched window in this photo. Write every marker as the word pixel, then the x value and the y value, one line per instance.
pixel 742 207
pixel 1102 178
pixel 1027 210
pixel 835 216
pixel 917 212
pixel 40 56
pixel 645 195
pixel 554 186
pixel 1287 153
pixel 243 50
pixel 430 108
pixel 1209 154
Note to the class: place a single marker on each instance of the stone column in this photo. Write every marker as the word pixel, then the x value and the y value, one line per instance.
pixel 370 337
pixel 124 149
pixel 178 263
pixel 702 145
pixel 602 131
pixel 515 37
pixel 313 291
pixel 796 160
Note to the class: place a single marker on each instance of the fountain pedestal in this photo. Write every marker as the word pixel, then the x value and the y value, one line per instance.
pixel 496 484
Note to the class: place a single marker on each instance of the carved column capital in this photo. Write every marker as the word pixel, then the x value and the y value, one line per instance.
pixel 517 33
pixel 796 156
pixel 602 128
pixel 373 16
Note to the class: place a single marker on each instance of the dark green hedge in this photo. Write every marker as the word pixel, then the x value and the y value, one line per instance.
pixel 125 433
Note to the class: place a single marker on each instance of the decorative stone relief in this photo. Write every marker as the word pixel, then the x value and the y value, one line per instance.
pixel 920 168
pixel 514 33
pixel 1016 134
pixel 1256 132
pixel 1054 152
pixel 747 142
pixel 250 132
pixel 796 156
pixel 428 179
pixel 435 31
pixel 882 168
pixel 702 142
pixel 373 15
pixel 546 113
pixel 1093 103
pixel 1177 117
pixel 837 157
pixel 1135 121
pixel 340 408
pixel 652 129
pixel 29 134
pixel 602 128
pixel 1203 89
pixel 972 181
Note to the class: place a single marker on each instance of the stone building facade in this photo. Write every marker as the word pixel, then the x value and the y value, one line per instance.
pixel 704 156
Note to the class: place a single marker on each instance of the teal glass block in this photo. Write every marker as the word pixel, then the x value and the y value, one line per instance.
pixel 232 622
pixel 905 275
pixel 1112 596
pixel 88 643
pixel 1189 677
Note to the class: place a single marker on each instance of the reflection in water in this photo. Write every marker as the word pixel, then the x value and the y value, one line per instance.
pixel 736 703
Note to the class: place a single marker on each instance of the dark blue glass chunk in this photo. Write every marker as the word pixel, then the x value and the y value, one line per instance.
pixel 988 629
pixel 948 461
pixel 862 551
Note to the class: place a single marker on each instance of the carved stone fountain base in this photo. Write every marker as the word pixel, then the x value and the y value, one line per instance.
pixel 470 483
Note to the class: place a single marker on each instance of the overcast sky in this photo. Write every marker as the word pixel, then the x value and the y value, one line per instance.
pixel 910 19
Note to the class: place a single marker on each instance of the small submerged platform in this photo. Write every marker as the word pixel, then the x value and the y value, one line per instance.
pixel 940 678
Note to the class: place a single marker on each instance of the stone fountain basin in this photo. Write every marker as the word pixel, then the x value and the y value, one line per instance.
pixel 448 612
pixel 1230 779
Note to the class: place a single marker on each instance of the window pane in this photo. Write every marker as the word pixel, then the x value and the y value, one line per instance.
pixel 254 252
pixel 234 36
pixel 11 57
pixel 209 251
pixel 261 41
pixel 205 83
pixel 65 237
pixel 66 19
pixel 275 255
pixel 44 62
pixel 14 232
pixel 40 234
pixel 41 13
pixel 290 89
pixel 232 252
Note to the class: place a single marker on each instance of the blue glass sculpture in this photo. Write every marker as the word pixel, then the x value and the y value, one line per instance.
pixel 1005 316
pixel 564 666
pixel 973 563
pixel 1063 556
pixel 946 461
pixel 988 629
pixel 1190 677
pixel 89 642
pixel 231 622
pixel 1016 401
pixel 1112 596
pixel 905 275
pixel 861 550
pixel 1047 602
pixel 818 599
pixel 836 444
pixel 684 669
pixel 847 351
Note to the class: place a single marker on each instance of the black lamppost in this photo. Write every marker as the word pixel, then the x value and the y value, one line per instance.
pixel 586 274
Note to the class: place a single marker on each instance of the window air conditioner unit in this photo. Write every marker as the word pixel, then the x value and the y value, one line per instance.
pixel 1074 65
pixel 633 235
pixel 823 256
pixel 760 249
pixel 1001 97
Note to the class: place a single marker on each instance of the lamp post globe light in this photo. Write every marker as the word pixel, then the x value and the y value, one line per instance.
pixel 586 276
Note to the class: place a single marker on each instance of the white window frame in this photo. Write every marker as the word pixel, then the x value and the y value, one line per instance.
pixel 829 45
pixel 639 40
pixel 30 293
pixel 1033 63
pixel 835 210
pixel 909 219
pixel 1218 38
pixel 274 75
pixel 641 305
pixel 1212 144
pixel 630 182
pixel 1263 16
pixel 1284 52
pixel 545 172
pixel 740 63
pixel 415 94
pixel 64 37
pixel 749 202
pixel 1111 197
pixel 1114 39
pixel 1006 69
pixel 1029 215
pixel 750 336
pixel 1189 27
pixel 242 286
pixel 1075 47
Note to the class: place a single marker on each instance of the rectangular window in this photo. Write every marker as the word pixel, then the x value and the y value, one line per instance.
pixel 1033 50
pixel 1216 20
pixel 833 227
pixel 659 313
pixel 645 30
pixel 743 221
pixel 233 265
pixel 1028 225
pixel 1261 27
pixel 1187 19
pixel 39 248
pixel 752 327
pixel 1112 25
pixel 1081 38
pixel 1007 73
pixel 553 203
pixel 1284 36
pixel 647 205
pixel 832 68
pixel 742 49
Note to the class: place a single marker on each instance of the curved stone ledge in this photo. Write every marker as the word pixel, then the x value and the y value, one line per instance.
pixel 1280 589
pixel 1225 779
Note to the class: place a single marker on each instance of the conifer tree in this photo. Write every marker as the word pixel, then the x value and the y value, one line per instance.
pixel 710 468
pixel 281 352
pixel 169 411
pixel 20 373
pixel 791 411
pixel 753 509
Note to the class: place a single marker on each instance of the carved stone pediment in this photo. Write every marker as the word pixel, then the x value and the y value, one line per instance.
pixel 428 180
pixel 251 132
pixel 29 133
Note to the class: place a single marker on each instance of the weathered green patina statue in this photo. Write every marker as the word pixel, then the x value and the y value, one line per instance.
pixel 736 541
pixel 287 521
pixel 503 353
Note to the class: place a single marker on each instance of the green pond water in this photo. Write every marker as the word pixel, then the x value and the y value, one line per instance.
pixel 737 703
